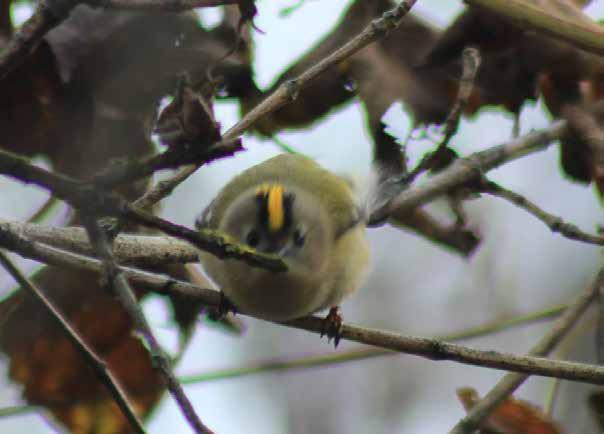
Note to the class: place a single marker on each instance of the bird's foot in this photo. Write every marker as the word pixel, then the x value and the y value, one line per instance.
pixel 225 306
pixel 332 326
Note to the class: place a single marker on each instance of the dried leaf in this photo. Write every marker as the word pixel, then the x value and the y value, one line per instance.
pixel 188 119
pixel 512 416
pixel 54 374
pixel 582 150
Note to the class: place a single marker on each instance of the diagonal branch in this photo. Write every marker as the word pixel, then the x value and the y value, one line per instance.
pixel 288 91
pixel 556 224
pixel 512 381
pixel 432 349
pixel 94 361
pixel 119 285
pixel 91 199
pixel 48 14
pixel 473 167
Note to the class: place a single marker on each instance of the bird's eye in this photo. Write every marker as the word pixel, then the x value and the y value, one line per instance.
pixel 299 238
pixel 252 238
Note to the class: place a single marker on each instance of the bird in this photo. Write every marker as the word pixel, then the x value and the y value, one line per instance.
pixel 311 218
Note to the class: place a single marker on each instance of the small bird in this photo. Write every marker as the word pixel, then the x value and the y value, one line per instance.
pixel 311 218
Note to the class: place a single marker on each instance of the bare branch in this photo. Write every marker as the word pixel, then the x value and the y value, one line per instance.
pixel 556 224
pixel 470 63
pixel 93 200
pixel 120 286
pixel 140 250
pixel 473 167
pixel 432 349
pixel 288 91
pixel 94 361
pixel 510 382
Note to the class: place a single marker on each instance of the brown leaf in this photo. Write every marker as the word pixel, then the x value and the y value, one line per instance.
pixel 54 374
pixel 188 119
pixel 582 150
pixel 513 55
pixel 512 416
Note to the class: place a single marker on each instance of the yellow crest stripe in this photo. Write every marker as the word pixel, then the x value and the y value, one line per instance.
pixel 276 213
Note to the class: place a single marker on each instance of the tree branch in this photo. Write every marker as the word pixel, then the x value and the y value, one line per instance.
pixel 429 348
pixel 95 362
pixel 556 224
pixel 531 16
pixel 120 286
pixel 139 250
pixel 47 15
pixel 289 90
pixel 510 382
pixel 473 167
pixel 93 200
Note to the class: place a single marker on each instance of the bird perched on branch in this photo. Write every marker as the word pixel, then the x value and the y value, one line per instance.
pixel 311 218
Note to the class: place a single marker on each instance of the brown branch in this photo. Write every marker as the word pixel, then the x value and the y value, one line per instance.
pixel 121 288
pixel 161 5
pixel 88 198
pixel 139 250
pixel 289 90
pixel 47 15
pixel 432 349
pixel 94 361
pixel 472 168
pixel 510 382
pixel 172 158
pixel 556 224
pixel 470 63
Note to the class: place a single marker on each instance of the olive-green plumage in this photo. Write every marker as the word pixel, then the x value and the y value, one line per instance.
pixel 292 207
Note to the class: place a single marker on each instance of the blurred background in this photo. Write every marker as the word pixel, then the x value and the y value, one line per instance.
pixel 415 287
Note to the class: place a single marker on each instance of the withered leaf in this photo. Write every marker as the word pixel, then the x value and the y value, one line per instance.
pixel 582 150
pixel 188 119
pixel 54 374
pixel 512 416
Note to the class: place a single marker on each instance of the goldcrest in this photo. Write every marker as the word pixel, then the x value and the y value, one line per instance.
pixel 311 218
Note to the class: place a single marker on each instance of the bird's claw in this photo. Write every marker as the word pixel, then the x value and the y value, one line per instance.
pixel 332 326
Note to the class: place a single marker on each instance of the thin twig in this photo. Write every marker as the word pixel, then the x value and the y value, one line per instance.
pixel 470 63
pixel 429 348
pixel 94 361
pixel 555 223
pixel 41 213
pixel 510 382
pixel 170 159
pixel 120 286
pixel 473 167
pixel 93 200
pixel 289 90
pixel 369 353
